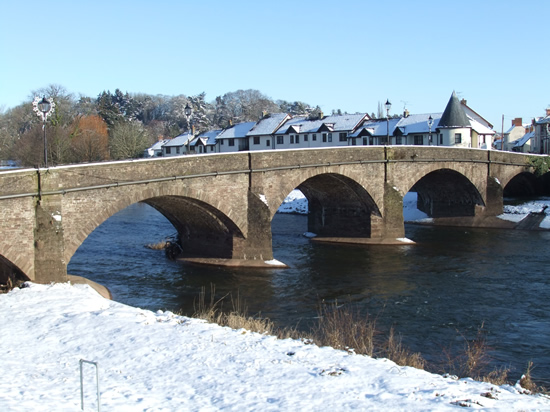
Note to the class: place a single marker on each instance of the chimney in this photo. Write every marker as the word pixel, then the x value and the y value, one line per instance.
pixel 406 113
pixel 518 121
pixel 548 111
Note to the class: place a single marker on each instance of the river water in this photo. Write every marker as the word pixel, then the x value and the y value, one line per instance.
pixel 435 293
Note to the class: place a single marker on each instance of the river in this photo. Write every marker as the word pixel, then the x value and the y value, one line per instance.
pixel 435 293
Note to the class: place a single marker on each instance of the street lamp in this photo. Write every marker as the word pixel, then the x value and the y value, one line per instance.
pixel 44 108
pixel 188 112
pixel 430 124
pixel 388 107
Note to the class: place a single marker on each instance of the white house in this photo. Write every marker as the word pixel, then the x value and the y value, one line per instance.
pixel 204 142
pixel 234 138
pixel 301 131
pixel 261 136
pixel 156 149
pixel 177 146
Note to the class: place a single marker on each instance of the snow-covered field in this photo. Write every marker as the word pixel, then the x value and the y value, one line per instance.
pixel 163 362
pixel 297 203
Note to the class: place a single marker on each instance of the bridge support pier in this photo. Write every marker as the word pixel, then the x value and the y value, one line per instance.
pixel 49 262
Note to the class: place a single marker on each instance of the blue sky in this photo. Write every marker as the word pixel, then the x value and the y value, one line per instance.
pixel 343 54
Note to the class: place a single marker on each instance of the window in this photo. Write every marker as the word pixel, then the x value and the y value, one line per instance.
pixel 419 140
pixel 365 141
pixel 231 142
pixel 398 140
pixel 280 139
pixel 168 150
pixel 371 140
pixel 324 137
pixel 458 138
pixel 268 143
pixel 211 148
pixel 291 139
pixel 256 139
pixel 297 138
pixel 221 142
pixel 306 137
pixel 343 137
pixel 353 142
pixel 314 137
pixel 330 137
pixel 178 150
pixel 441 139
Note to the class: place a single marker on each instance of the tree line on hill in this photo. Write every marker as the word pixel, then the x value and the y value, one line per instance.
pixel 122 125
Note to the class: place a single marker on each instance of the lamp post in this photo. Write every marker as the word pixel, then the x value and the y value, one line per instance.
pixel 388 107
pixel 44 108
pixel 188 112
pixel 430 124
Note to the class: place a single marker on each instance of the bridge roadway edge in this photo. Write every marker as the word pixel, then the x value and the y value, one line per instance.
pixel 42 238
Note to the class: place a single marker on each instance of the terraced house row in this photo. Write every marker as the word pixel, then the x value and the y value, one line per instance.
pixel 457 126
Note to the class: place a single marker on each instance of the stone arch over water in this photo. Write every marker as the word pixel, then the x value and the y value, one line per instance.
pixel 447 193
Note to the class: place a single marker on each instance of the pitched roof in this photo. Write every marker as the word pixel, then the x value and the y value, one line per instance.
pixel 268 124
pixel 521 141
pixel 301 124
pixel 237 131
pixel 206 138
pixel 180 140
pixel 454 115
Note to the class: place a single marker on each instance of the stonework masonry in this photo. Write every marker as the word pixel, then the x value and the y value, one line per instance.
pixel 222 205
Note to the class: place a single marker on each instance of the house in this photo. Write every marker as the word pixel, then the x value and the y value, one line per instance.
pixel 261 136
pixel 204 142
pixel 234 138
pixel 523 144
pixel 541 143
pixel 156 149
pixel 516 131
pixel 303 131
pixel 178 145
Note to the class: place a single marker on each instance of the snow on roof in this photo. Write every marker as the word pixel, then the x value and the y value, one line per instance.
pixel 346 122
pixel 418 123
pixel 480 128
pixel 238 131
pixel 180 140
pixel 521 141
pixel 268 124
pixel 207 138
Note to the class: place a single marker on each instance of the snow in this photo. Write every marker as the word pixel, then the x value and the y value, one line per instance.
pixel 296 202
pixel 162 362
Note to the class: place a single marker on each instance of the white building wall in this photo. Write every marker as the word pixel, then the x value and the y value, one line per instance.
pixel 449 136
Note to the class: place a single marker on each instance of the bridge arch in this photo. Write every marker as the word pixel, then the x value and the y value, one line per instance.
pixel 339 206
pixel 447 193
pixel 199 217
pixel 522 184
pixel 9 272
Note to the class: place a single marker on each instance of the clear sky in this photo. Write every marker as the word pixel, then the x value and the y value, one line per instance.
pixel 344 54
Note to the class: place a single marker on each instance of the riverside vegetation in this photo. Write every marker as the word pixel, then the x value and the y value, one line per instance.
pixel 343 327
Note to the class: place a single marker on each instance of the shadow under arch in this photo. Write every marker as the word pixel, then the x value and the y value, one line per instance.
pixel 447 193
pixel 203 230
pixel 10 273
pixel 338 206
pixel 524 184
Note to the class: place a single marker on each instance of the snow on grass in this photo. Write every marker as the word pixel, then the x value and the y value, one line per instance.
pixel 162 362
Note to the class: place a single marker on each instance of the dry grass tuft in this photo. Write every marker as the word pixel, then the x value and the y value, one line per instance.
pixel 395 351
pixel 526 381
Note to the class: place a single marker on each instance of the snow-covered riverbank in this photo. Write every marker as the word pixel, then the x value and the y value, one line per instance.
pixel 163 362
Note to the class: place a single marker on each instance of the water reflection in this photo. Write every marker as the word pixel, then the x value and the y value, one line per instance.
pixel 452 280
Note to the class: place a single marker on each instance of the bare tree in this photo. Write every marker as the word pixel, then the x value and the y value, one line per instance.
pixel 128 140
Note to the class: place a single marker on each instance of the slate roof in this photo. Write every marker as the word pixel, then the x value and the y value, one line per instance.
pixel 268 124
pixel 238 131
pixel 520 142
pixel 454 115
pixel 180 140
pixel 301 124
pixel 207 138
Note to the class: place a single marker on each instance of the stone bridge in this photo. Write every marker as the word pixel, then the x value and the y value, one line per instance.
pixel 222 204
